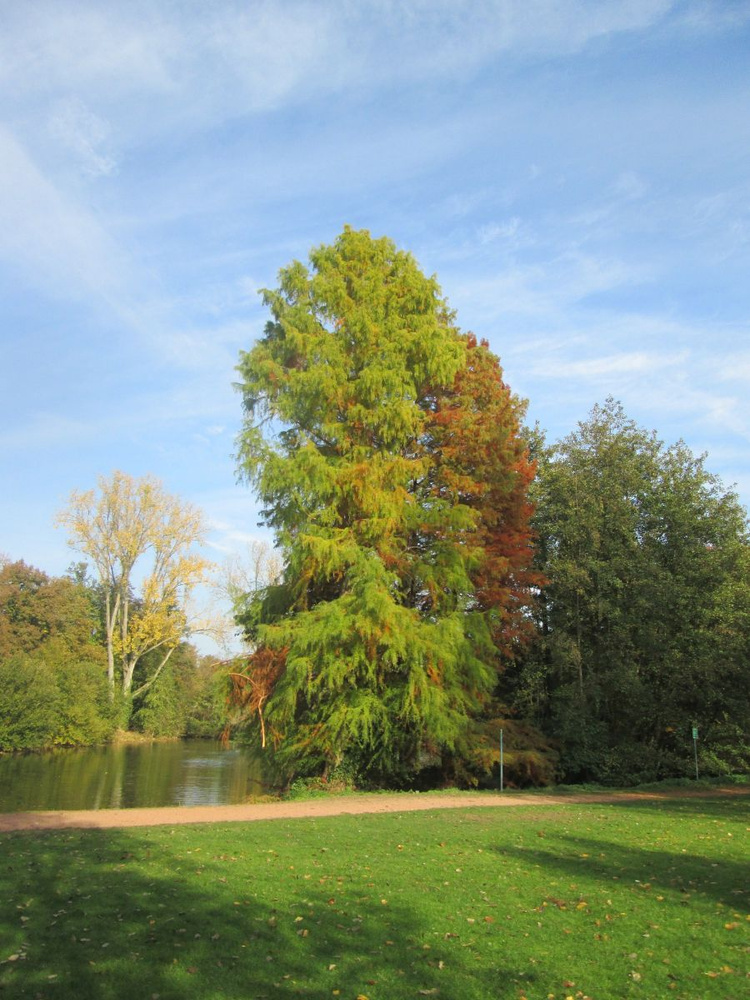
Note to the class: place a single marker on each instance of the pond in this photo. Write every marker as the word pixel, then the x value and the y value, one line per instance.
pixel 127 775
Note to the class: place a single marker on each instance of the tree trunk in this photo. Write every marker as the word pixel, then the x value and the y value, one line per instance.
pixel 150 681
pixel 110 614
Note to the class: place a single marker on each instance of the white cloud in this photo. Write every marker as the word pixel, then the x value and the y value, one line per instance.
pixel 219 60
pixel 546 290
pixel 209 350
pixel 269 51
pixel 60 245
pixel 736 367
pixel 507 232
pixel 84 134
pixel 55 47
pixel 595 368
pixel 57 241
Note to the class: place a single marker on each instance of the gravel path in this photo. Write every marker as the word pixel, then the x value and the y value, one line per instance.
pixel 106 819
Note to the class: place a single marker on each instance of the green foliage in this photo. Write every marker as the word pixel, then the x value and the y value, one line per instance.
pixel 529 759
pixel 52 669
pixel 28 703
pixel 162 711
pixel 643 619
pixel 35 608
pixel 85 715
pixel 50 698
pixel 387 633
pixel 206 700
pixel 188 698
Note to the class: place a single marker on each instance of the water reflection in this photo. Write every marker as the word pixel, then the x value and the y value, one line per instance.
pixel 181 773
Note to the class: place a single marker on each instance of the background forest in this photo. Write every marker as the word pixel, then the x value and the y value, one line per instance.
pixel 447 574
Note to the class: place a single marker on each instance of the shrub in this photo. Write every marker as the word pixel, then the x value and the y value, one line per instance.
pixel 29 703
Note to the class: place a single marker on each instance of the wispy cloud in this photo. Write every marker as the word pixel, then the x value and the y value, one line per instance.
pixel 53 47
pixel 595 368
pixel 735 366
pixel 258 55
pixel 58 242
pixel 85 134
pixel 547 290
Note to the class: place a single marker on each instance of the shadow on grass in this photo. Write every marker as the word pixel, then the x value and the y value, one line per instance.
pixel 728 805
pixel 125 914
pixel 657 870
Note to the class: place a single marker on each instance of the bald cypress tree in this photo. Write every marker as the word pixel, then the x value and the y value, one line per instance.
pixel 396 491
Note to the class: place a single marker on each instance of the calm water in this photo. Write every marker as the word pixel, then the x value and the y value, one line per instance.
pixel 184 773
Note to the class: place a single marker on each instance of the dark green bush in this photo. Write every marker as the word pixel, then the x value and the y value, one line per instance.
pixel 29 703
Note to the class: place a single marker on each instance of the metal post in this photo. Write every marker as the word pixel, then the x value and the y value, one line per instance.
pixel 695 748
pixel 501 760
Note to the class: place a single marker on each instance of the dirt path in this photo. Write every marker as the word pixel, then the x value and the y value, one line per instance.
pixel 106 819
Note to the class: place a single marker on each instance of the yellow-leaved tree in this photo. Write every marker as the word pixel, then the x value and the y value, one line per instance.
pixel 139 536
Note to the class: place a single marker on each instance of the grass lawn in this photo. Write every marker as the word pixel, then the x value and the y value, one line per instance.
pixel 602 901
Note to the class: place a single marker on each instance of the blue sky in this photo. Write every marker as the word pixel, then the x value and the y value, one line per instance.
pixel 576 174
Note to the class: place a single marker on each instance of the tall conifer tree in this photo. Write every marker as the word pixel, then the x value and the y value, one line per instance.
pixel 384 446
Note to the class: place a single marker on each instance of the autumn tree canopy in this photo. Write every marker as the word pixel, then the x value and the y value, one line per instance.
pixel 384 446
pixel 141 542
pixel 35 608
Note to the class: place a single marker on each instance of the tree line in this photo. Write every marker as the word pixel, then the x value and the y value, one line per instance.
pixel 446 577
pixel 105 647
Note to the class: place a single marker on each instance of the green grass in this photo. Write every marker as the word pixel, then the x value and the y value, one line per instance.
pixel 644 899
